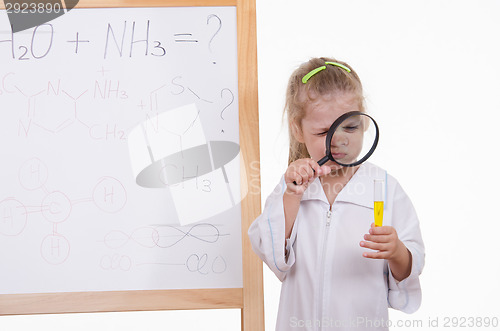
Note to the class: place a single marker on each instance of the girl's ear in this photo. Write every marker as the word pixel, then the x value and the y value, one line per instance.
pixel 297 132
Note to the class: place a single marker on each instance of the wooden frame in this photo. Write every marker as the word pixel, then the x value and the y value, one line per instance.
pixel 249 298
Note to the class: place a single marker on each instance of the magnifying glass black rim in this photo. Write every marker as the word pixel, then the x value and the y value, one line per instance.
pixel 331 131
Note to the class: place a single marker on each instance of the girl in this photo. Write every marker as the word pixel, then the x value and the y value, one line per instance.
pixel 338 270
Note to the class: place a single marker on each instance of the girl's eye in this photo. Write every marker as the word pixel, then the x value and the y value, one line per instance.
pixel 322 133
pixel 351 128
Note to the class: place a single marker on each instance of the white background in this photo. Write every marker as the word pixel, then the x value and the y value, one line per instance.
pixel 431 73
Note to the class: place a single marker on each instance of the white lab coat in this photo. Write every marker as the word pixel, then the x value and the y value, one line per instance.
pixel 326 282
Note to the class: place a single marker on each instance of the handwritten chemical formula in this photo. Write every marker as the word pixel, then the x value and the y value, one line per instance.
pixel 120 140
pixel 56 207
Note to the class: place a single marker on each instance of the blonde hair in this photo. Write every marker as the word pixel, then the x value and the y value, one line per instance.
pixel 332 80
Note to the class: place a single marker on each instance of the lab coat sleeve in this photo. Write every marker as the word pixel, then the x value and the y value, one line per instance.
pixel 406 295
pixel 267 235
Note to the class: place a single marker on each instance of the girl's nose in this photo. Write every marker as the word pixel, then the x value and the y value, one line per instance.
pixel 339 140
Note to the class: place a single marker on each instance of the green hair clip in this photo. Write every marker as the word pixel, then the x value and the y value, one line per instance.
pixel 315 71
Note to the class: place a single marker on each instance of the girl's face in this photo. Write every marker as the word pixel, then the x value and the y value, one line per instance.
pixel 320 115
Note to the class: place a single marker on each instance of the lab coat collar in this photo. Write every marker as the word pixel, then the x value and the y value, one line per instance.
pixel 359 190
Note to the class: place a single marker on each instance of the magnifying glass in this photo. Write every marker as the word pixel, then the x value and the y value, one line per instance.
pixel 351 139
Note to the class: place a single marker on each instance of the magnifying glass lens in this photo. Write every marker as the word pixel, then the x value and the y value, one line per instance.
pixel 352 140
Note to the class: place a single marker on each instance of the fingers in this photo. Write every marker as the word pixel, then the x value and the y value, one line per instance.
pixel 381 230
pixel 377 238
pixel 304 171
pixel 302 175
pixel 295 189
pixel 376 255
pixel 373 245
pixel 382 240
pixel 380 251
pixel 319 170
pixel 324 169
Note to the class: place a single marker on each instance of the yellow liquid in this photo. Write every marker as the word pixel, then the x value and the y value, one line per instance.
pixel 378 209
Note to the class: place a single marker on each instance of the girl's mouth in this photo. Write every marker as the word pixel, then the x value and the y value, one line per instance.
pixel 338 155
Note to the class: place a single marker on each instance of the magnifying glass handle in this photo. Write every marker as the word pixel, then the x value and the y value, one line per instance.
pixel 323 160
pixel 320 162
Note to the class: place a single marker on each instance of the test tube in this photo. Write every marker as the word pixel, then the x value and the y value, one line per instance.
pixel 378 200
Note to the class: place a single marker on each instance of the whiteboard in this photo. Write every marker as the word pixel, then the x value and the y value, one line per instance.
pixel 89 102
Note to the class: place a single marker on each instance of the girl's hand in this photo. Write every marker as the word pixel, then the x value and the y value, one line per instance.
pixel 303 172
pixel 384 240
